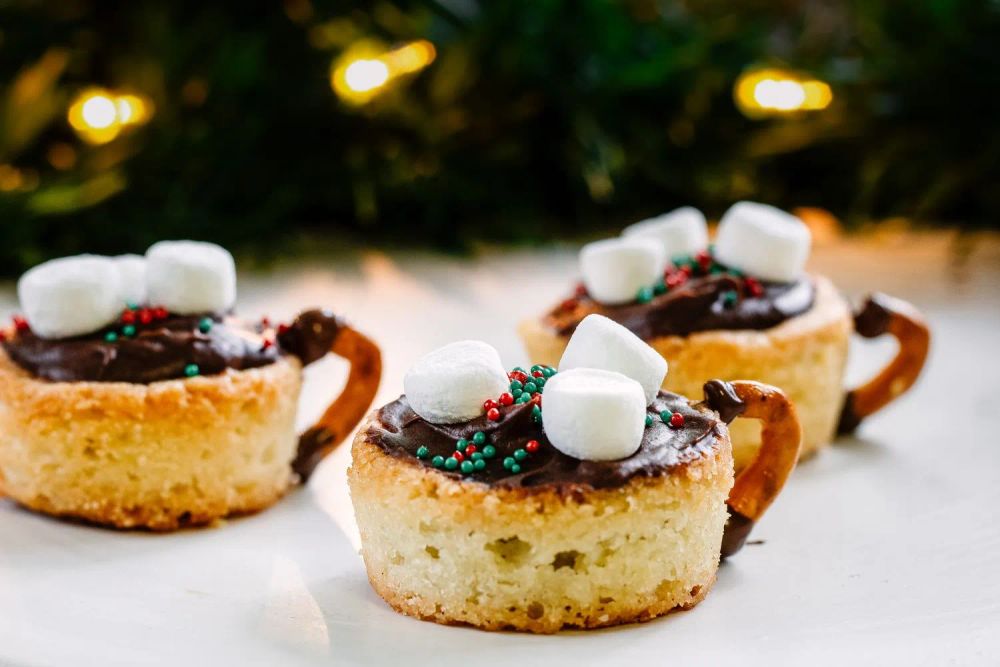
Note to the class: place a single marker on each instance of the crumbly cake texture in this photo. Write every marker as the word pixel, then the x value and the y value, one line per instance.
pixel 804 356
pixel 159 456
pixel 540 559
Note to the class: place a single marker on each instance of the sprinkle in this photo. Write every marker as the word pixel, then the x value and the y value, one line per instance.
pixel 569 304
pixel 531 446
pixel 516 393
pixel 506 399
pixel 649 421
pixel 266 344
pixel 479 437
pixel 265 322
pixel 754 287
pixel 458 456
pixel 450 463
pixel 111 336
pixel 515 468
pixel 489 404
pixel 191 370
pixel 581 290
pixel 548 371
pixel 471 449
pixel 523 398
pixel 677 420
pixel 437 461
pixel 468 466
pixel 539 382
pixel 20 324
pixel 132 305
pixel 660 288
pixel 489 451
pixel 493 415
pixel 128 330
pixel 205 325
pixel 477 456
pixel 146 316
pixel 461 444
pixel 479 465
pixel 128 317
pixel 666 415
pixel 509 462
pixel 531 387
pixel 644 295
pixel 160 313
pixel 729 298
pixel 520 454
pixel 283 328
pixel 536 413
pixel 422 452
pixel 516 385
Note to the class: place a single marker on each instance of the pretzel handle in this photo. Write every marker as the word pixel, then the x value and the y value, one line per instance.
pixel 883 314
pixel 757 485
pixel 349 408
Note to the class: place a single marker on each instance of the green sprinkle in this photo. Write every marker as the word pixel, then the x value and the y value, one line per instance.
pixel 520 454
pixel 541 389
pixel 437 461
pixel 729 297
pixel 515 468
pixel 422 452
pixel 205 325
pixel 644 295
pixel 516 385
pixel 476 456
pixel 132 305
pixel 461 445
pixel 536 367
pixel 531 387
pixel 128 330
pixel 539 382
pixel 660 288
pixel 548 371
pixel 468 466
pixel 111 336
pixel 489 451
pixel 509 462
pixel 516 393
pixel 523 398
pixel 191 370
pixel 479 464
pixel 649 421
pixel 450 463
pixel 479 438
pixel 682 260
pixel 715 270
pixel 536 411
pixel 734 272
pixel 666 415
pixel 518 368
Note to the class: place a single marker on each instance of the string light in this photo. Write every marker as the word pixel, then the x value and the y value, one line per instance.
pixel 771 92
pixel 98 115
pixel 366 69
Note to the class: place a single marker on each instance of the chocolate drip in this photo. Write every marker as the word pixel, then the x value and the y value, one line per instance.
pixel 698 305
pixel 314 445
pixel 735 534
pixel 311 335
pixel 721 397
pixel 399 432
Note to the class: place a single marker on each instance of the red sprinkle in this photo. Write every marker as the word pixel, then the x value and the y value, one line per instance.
pixel 489 404
pixel 267 343
pixel 531 446
pixel 677 420
pixel 754 287
pixel 459 456
pixel 282 328
pixel 704 260
pixel 676 278
pixel 493 414
pixel 128 317
pixel 518 375
pixel 470 449
pixel 569 304
pixel 265 321
pixel 160 313
pixel 581 290
pixel 537 374
pixel 20 323
pixel 506 398
pixel 536 399
pixel 145 316
pixel 687 270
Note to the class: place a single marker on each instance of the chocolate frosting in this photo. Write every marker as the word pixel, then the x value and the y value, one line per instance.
pixel 871 321
pixel 697 305
pixel 164 348
pixel 399 431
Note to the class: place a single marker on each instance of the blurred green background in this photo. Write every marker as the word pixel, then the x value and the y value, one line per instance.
pixel 270 126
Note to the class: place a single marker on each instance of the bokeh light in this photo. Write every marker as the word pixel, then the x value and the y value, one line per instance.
pixel 366 68
pixel 98 115
pixel 769 92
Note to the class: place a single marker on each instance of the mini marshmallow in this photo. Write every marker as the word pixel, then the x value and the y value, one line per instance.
pixel 763 241
pixel 132 278
pixel 594 415
pixel 70 296
pixel 450 384
pixel 683 231
pixel 602 343
pixel 615 269
pixel 188 277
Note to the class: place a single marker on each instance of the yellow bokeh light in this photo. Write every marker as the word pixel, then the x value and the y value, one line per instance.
pixel 366 69
pixel 768 92
pixel 99 115
pixel 363 76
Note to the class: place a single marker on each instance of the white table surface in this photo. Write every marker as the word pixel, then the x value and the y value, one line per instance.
pixel 883 550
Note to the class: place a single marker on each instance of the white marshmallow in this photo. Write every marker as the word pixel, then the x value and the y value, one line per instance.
pixel 594 415
pixel 763 241
pixel 70 296
pixel 682 232
pixel 602 343
pixel 450 384
pixel 614 269
pixel 132 278
pixel 189 277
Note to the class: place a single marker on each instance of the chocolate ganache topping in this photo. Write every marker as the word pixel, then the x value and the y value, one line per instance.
pixel 170 346
pixel 692 300
pixel 400 432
